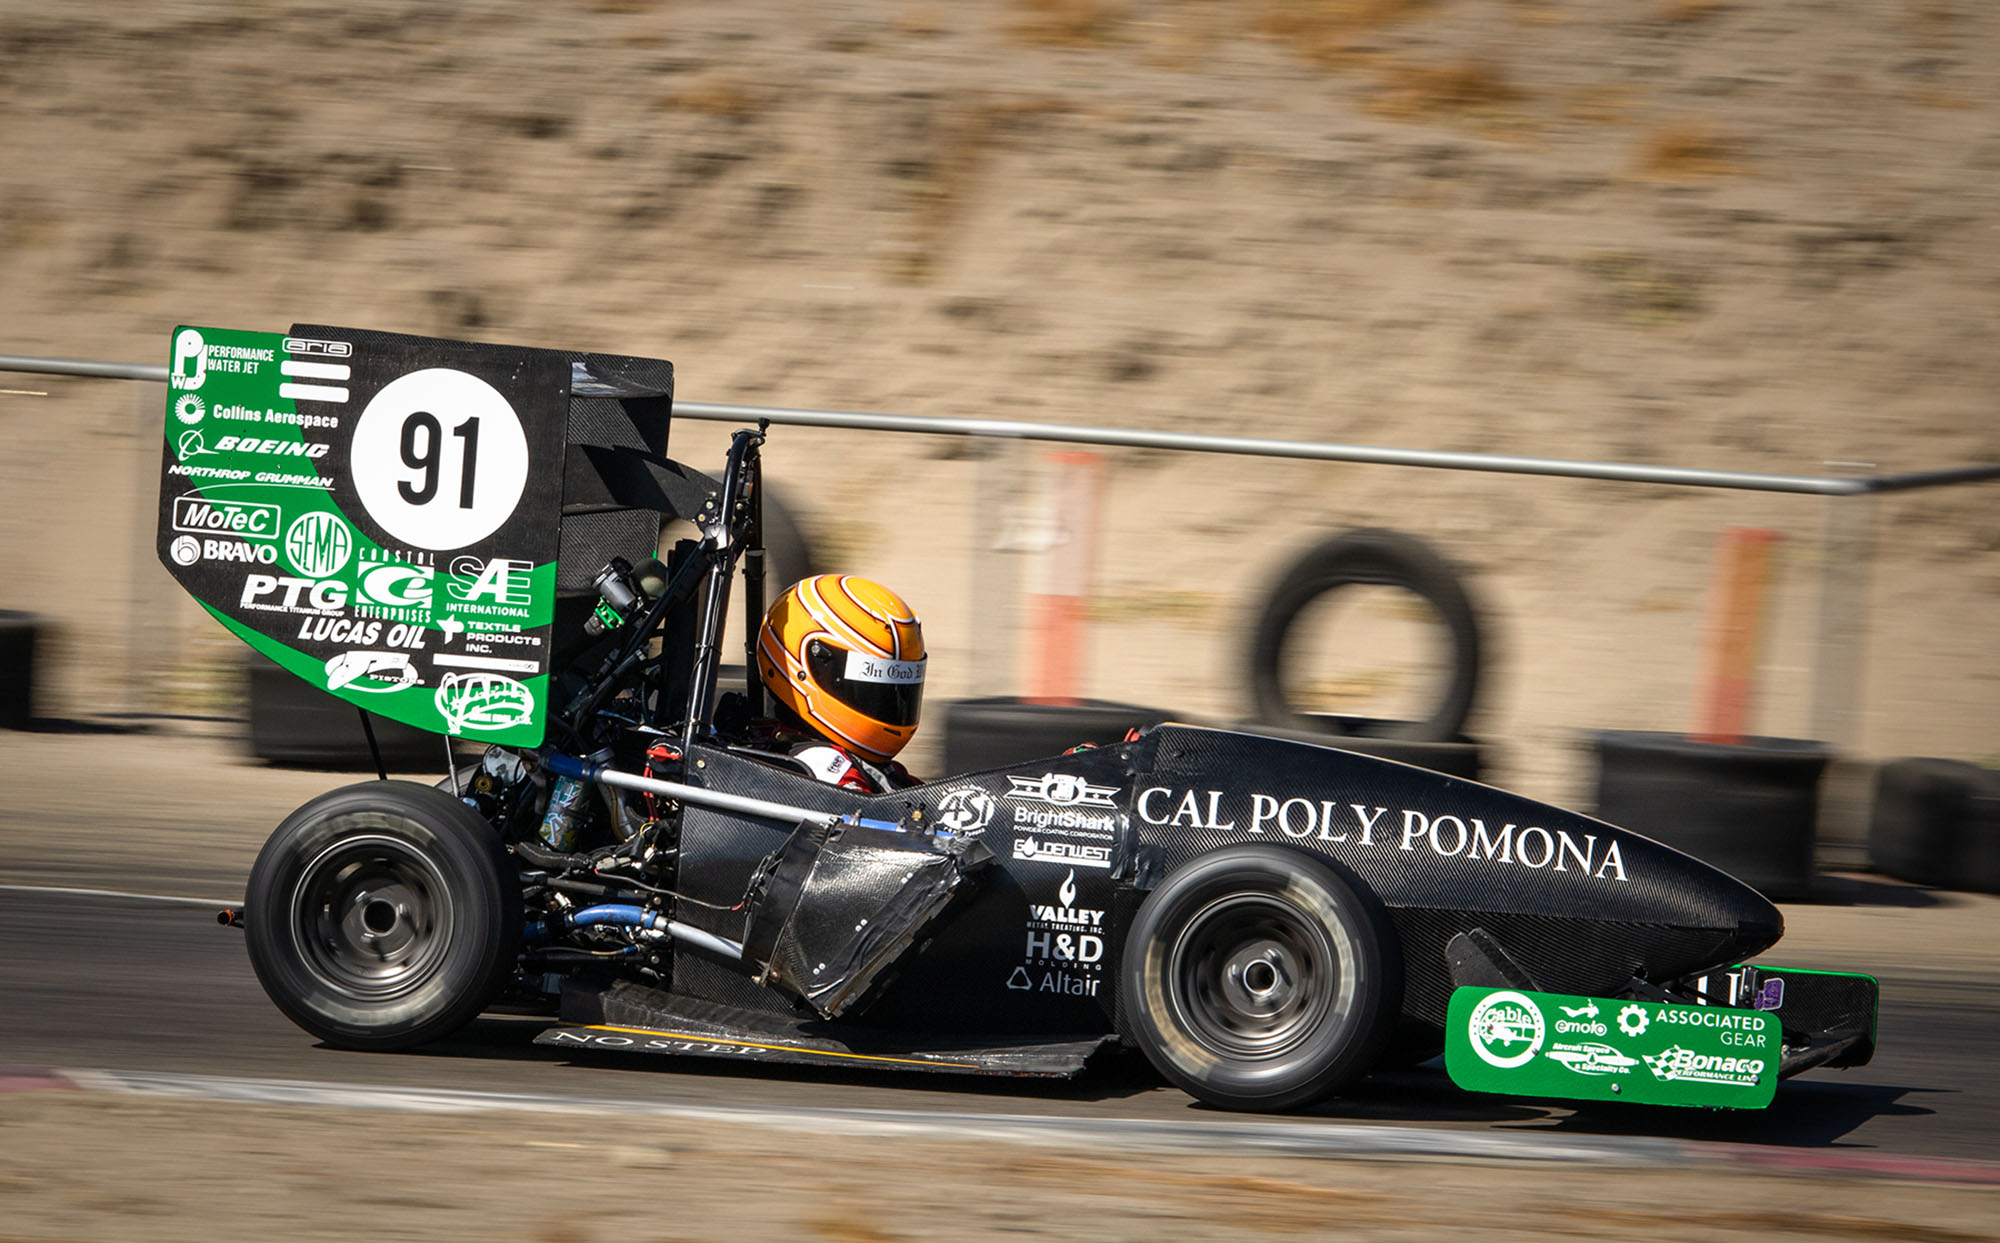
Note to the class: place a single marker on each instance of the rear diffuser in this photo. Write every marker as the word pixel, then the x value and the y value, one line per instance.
pixel 630 1018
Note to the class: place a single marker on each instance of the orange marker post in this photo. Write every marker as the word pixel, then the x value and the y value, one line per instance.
pixel 1069 567
pixel 1734 634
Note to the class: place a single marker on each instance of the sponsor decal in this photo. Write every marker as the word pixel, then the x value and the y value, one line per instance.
pixel 190 366
pixel 1065 940
pixel 483 701
pixel 313 347
pixel 500 585
pixel 1502 1040
pixel 186 550
pixel 1770 996
pixel 189 408
pixel 237 550
pixel 1034 850
pixel 655 1044
pixel 272 447
pixel 318 544
pixel 1678 1063
pixel 967 809
pixel 1592 1058
pixel 1061 790
pixel 283 593
pixel 1067 822
pixel 248 519
pixel 1506 1029
pixel 1410 830
pixel 392 668
pixel 192 444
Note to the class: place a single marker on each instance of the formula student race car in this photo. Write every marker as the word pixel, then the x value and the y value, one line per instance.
pixel 463 537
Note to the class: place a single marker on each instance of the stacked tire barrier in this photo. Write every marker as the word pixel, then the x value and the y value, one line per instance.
pixel 1749 808
pixel 1937 822
pixel 19 634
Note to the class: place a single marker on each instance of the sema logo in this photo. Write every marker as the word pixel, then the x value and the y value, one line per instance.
pixel 245 518
pixel 318 544
pixel 1506 1029
pixel 483 701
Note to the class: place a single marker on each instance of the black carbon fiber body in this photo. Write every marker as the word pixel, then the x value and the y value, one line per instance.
pixel 1582 905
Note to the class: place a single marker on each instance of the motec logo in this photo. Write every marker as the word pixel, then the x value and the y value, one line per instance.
pixel 242 518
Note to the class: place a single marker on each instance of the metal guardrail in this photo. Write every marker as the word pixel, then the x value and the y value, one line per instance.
pixel 1847 536
pixel 1005 429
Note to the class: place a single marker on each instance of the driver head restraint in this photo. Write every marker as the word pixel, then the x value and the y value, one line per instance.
pixel 846 656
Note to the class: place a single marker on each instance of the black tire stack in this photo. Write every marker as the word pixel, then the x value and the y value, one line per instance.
pixel 1937 822
pixel 19 636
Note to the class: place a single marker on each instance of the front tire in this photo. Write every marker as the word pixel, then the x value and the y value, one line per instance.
pixel 382 915
pixel 1259 978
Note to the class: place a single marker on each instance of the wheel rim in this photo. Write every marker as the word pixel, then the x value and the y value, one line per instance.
pixel 1252 976
pixel 372 917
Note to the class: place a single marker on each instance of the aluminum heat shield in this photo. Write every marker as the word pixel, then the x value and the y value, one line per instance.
pixel 839 906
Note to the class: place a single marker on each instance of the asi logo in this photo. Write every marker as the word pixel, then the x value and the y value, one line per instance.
pixel 968 809
pixel 318 544
pixel 1506 1029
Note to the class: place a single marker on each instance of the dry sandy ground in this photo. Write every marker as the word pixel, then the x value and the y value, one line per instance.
pixel 171 1172
pixel 1755 236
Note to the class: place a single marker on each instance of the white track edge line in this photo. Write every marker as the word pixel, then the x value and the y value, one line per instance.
pixel 1293 1138
pixel 211 903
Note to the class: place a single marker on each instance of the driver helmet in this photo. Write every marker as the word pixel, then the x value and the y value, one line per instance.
pixel 846 656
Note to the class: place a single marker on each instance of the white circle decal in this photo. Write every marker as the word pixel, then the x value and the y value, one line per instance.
pixel 439 459
pixel 1506 1029
pixel 186 551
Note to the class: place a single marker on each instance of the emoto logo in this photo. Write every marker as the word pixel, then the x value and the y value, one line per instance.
pixel 1506 1029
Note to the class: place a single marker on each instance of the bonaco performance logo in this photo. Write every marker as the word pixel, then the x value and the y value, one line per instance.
pixel 1678 1063
pixel 483 701
pixel 1506 1029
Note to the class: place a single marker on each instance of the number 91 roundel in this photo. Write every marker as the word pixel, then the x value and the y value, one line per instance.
pixel 439 459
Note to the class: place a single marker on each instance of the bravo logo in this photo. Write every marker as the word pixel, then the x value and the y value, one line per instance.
pixel 243 518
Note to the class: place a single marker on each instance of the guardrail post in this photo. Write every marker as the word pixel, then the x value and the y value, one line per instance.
pixel 1846 552
pixel 152 626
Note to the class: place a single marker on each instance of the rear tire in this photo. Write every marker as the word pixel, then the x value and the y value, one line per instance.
pixel 1259 978
pixel 382 915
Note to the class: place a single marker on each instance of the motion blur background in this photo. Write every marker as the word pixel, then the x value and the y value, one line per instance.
pixel 1753 236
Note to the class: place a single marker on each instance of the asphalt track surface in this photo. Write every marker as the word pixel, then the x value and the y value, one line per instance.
pixel 113 983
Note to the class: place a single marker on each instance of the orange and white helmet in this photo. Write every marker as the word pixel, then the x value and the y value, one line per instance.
pixel 846 655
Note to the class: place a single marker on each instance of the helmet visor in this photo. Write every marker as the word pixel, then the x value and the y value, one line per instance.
pixel 889 691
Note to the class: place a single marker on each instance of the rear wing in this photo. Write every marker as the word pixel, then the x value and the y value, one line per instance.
pixel 389 517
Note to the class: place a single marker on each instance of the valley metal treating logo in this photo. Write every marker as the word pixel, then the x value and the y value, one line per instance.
pixel 1680 1064
pixel 1592 1058
pixel 1506 1029
pixel 1061 790
pixel 967 809
pixel 483 701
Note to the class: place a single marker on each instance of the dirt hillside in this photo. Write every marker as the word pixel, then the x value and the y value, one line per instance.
pixel 1749 236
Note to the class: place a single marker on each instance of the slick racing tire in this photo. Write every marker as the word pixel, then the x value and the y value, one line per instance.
pixel 1260 978
pixel 1367 557
pixel 382 915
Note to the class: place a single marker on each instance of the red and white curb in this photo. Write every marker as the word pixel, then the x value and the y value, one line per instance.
pixel 1299 1139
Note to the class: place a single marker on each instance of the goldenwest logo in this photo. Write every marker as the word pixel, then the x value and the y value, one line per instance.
pixel 1037 851
pixel 245 518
